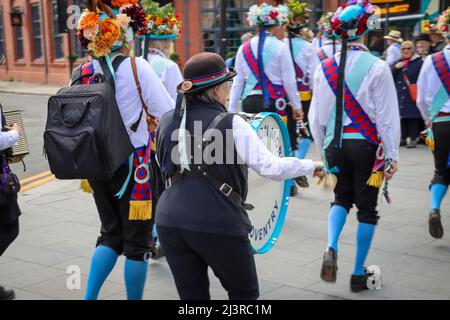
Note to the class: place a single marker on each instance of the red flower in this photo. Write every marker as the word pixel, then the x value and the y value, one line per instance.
pixel 273 14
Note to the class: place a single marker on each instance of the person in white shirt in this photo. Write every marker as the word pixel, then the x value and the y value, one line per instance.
pixel 160 39
pixel 305 62
pixel 434 104
pixel 124 202
pixel 200 224
pixel 347 128
pixel 325 42
pixel 394 40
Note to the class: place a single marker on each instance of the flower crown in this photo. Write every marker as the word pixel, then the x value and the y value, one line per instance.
pixel 443 24
pixel 104 31
pixel 346 25
pixel 324 24
pixel 162 22
pixel 267 15
pixel 298 13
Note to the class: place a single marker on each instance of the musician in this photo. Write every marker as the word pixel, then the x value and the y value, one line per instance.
pixel 201 217
pixel 434 103
pixel 267 84
pixel 9 208
pixel 347 128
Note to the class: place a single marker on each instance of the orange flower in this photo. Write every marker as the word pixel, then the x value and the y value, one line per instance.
pixel 158 21
pixel 109 31
pixel 99 47
pixel 88 20
pixel 119 3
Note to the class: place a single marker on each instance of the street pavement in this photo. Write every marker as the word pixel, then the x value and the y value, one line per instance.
pixel 59 227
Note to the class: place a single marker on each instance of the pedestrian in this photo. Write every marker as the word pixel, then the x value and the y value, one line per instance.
pixel 201 217
pixel 393 40
pixel 305 62
pixel 161 37
pixel 356 125
pixel 405 72
pixel 423 45
pixel 9 186
pixel 124 201
pixel 325 43
pixel 434 104
pixel 266 79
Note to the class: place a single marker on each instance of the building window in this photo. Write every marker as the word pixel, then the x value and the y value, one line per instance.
pixel 19 43
pixel 2 34
pixel 236 22
pixel 36 29
pixel 57 35
pixel 78 48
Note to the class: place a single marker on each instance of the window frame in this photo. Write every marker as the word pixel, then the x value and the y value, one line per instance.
pixel 36 39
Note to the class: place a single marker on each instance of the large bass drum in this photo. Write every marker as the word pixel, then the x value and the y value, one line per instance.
pixel 269 198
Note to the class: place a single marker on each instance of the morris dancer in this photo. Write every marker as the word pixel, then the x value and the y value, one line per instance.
pixel 305 63
pixel 208 226
pixel 164 27
pixel 434 103
pixel 124 202
pixel 325 43
pixel 267 84
pixel 362 134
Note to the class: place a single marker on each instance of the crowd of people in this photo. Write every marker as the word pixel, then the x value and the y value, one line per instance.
pixel 329 90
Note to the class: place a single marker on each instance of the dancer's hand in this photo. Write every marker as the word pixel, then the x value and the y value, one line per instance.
pixel 14 127
pixel 319 169
pixel 298 114
pixel 394 168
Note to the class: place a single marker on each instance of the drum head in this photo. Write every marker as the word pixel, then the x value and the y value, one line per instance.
pixel 270 198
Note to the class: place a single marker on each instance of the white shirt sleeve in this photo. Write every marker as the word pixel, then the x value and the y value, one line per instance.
pixel 288 77
pixel 313 62
pixel 317 129
pixel 8 139
pixel 387 115
pixel 255 154
pixel 392 55
pixel 172 79
pixel 154 93
pixel 424 100
pixel 238 81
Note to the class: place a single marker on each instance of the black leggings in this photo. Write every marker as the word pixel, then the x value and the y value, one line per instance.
pixel 411 128
pixel 441 132
pixel 8 233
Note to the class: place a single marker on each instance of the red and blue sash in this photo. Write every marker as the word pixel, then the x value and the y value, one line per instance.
pixel 443 69
pixel 322 55
pixel 300 75
pixel 87 73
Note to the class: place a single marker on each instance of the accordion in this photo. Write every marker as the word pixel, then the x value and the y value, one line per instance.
pixel 20 149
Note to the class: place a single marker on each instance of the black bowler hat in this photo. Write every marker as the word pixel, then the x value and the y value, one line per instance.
pixel 204 70
pixel 423 37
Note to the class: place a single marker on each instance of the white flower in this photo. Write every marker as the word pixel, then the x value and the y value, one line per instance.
pixel 150 24
pixel 91 33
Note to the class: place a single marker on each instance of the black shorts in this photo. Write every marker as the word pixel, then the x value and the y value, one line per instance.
pixel 441 132
pixel 355 161
pixel 131 238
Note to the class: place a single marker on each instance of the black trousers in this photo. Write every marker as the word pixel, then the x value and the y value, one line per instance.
pixel 131 238
pixel 354 161
pixel 441 132
pixel 8 233
pixel 190 253
pixel 411 128
pixel 255 104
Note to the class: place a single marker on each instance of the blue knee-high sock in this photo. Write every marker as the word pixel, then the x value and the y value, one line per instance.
pixel 336 222
pixel 102 262
pixel 363 240
pixel 303 148
pixel 135 276
pixel 438 192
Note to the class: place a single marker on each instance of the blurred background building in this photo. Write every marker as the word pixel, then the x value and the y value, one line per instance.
pixel 38 49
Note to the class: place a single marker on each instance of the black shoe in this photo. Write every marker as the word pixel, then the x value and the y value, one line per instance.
pixel 435 225
pixel 6 294
pixel 302 182
pixel 359 283
pixel 412 144
pixel 294 190
pixel 329 266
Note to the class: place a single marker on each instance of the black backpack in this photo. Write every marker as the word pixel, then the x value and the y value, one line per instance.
pixel 85 136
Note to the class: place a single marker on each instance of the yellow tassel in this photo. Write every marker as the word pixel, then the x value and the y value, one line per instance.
pixel 85 186
pixel 285 119
pixel 376 180
pixel 140 210
pixel 430 143
pixel 306 95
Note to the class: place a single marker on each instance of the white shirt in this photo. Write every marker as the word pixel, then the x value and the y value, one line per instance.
pixel 331 49
pixel 377 96
pixel 393 54
pixel 155 96
pixel 280 71
pixel 8 138
pixel 255 154
pixel 429 85
pixel 307 59
pixel 171 75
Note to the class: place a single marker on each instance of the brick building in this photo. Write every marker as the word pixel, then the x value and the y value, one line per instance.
pixel 38 52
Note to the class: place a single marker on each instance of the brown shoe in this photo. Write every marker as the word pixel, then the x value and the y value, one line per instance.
pixel 435 225
pixel 329 269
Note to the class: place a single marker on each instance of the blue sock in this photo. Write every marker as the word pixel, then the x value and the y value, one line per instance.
pixel 336 222
pixel 438 192
pixel 102 262
pixel 135 276
pixel 303 148
pixel 364 238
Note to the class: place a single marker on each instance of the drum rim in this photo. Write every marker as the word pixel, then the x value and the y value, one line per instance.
pixel 273 238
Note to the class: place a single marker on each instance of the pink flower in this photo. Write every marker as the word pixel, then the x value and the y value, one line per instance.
pixel 273 14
